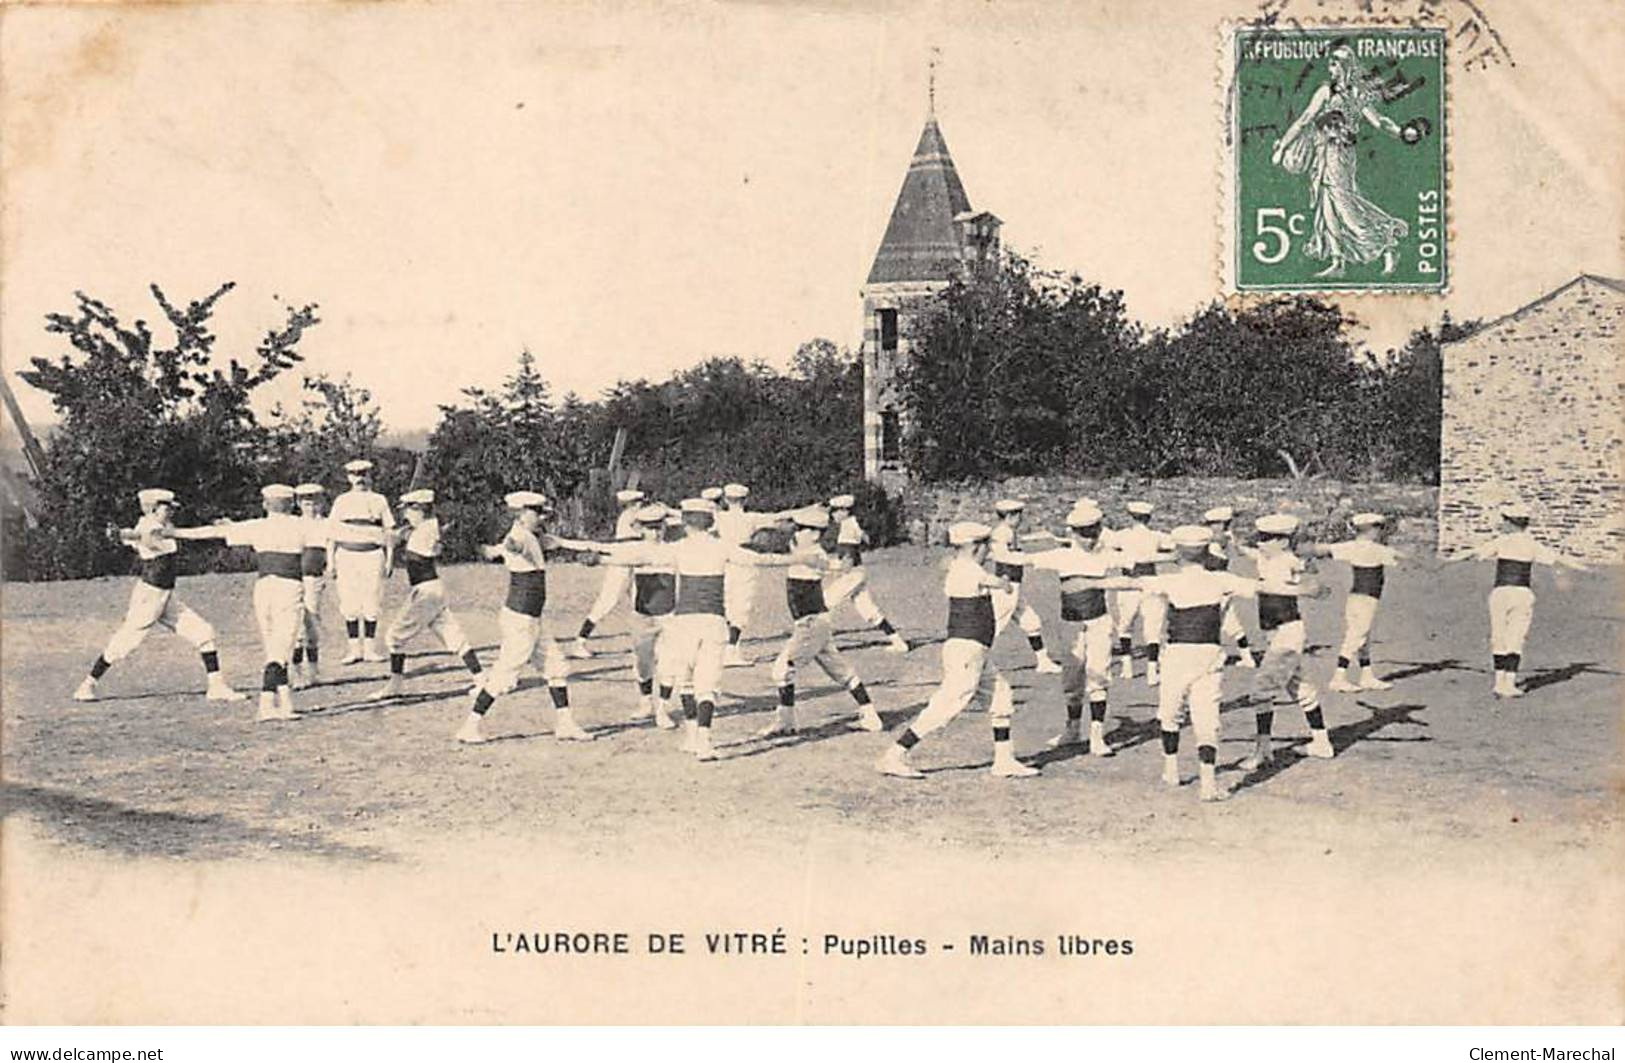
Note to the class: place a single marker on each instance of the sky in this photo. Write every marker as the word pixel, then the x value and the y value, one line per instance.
pixel 626 189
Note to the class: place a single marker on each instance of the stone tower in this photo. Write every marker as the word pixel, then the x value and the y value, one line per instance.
pixel 933 233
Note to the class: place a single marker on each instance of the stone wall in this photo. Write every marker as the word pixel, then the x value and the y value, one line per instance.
pixel 1533 413
pixel 1323 505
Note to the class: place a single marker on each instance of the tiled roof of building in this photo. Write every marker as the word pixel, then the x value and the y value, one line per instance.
pixel 922 241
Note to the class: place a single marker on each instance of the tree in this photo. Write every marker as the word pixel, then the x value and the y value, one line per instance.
pixel 337 421
pixel 136 412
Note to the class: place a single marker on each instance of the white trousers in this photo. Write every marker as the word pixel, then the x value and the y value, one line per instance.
pixel 312 631
pixel 520 635
pixel 1152 609
pixel 691 653
pixel 360 578
pixel 1281 670
pixel 812 638
pixel 426 610
pixel 1512 609
pixel 647 633
pixel 611 592
pixel 1007 605
pixel 854 584
pixel 739 594
pixel 155 607
pixel 1089 669
pixel 968 674
pixel 1192 677
pixel 279 609
pixel 1359 613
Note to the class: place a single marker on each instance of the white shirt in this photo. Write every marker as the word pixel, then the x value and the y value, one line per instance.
pixel 148 545
pixel 736 526
pixel 274 533
pixel 1192 586
pixel 1071 561
pixel 368 506
pixel 522 551
pixel 424 539
pixel 1366 553
pixel 1140 543
pixel 1279 573
pixel 1516 546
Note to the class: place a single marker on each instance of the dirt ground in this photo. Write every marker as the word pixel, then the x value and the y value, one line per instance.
pixel 1447 818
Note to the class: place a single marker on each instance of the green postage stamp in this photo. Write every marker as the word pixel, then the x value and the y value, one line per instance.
pixel 1337 147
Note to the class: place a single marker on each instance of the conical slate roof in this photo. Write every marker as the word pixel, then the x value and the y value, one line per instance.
pixel 922 241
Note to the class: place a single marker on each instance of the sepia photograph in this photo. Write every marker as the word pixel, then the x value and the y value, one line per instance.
pixel 730 514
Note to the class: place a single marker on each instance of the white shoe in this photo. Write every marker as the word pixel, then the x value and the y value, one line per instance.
pixel 1047 665
pixel 1008 767
pixel 690 742
pixel 1263 752
pixel 371 654
pixel 1508 689
pixel 578 649
pixel 735 658
pixel 644 711
pixel 313 674
pixel 393 688
pixel 1369 681
pixel 663 718
pixel 567 730
pixel 298 678
pixel 869 719
pixel 1245 660
pixel 1170 771
pixel 219 690
pixel 1341 685
pixel 897 644
pixel 1126 668
pixel 778 728
pixel 1153 674
pixel 1070 736
pixel 702 745
pixel 894 762
pixel 271 710
pixel 353 656
pixel 1320 746
pixel 1097 741
pixel 86 691
pixel 1212 791
pixel 470 733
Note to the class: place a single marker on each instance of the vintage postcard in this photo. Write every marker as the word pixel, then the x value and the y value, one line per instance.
pixel 958 513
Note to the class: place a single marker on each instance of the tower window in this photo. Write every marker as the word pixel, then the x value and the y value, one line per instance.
pixel 888 330
pixel 891 434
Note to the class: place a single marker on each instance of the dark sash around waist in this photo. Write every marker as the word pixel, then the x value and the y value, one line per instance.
pixel 851 553
pixel 806 597
pixel 159 571
pixel 1197 623
pixel 699 594
pixel 1013 573
pixel 971 618
pixel 419 569
pixel 1276 609
pixel 654 593
pixel 527 592
pixel 1367 581
pixel 360 522
pixel 1509 573
pixel 1082 603
pixel 313 560
pixel 1215 562
pixel 1143 568
pixel 278 564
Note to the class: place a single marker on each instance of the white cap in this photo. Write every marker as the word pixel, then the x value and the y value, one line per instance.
pixel 273 491
pixel 1367 520
pixel 1191 535
pixel 1515 511
pixel 698 505
pixel 628 496
pixel 1009 505
pixel 309 490
pixel 358 466
pixel 736 491
pixel 1219 515
pixel 421 497
pixel 1083 516
pixel 811 517
pixel 525 500
pixel 967 531
pixel 711 494
pixel 1277 524
pixel 652 514
pixel 151 496
pixel 842 502
pixel 1140 509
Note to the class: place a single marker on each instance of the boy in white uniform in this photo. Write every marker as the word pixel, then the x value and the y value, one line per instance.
pixel 1004 549
pixel 654 597
pixel 617 578
pixel 1217 559
pixel 1512 599
pixel 315 567
pixel 968 671
pixel 1144 547
pixel 851 582
pixel 363 554
pixel 153 601
pixel 278 541
pixel 735 526
pixel 1280 586
pixel 425 608
pixel 520 622
pixel 1368 555
pixel 811 633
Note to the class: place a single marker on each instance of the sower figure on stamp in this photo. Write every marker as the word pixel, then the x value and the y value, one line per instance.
pixel 153 602
pixel 315 567
pixel 1368 555
pixel 1280 674
pixel 812 636
pixel 1219 521
pixel 617 578
pixel 364 553
pixel 1515 552
pixel 1143 547
pixel 968 672
pixel 278 541
pixel 1005 551
pixel 851 582
pixel 425 608
pixel 520 622
pixel 1081 564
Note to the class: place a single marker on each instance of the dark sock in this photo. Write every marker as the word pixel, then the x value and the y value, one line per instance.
pixel 1258 658
pixel 586 628
pixel 369 627
pixel 860 694
pixel 1317 722
pixel 99 668
pixel 885 627
pixel 1074 711
pixel 1498 661
pixel 1342 664
pixel 561 696
pixel 690 712
pixel 483 702
pixel 268 679
pixel 1036 642
pixel 707 709
pixel 471 661
pixel 1264 722
pixel 397 664
pixel 298 655
pixel 1001 732
pixel 908 739
pixel 1125 647
pixel 787 694
pixel 1097 711
pixel 211 661
pixel 1241 643
pixel 1207 754
pixel 281 674
pixel 733 635
pixel 1513 661
pixel 311 654
pixel 665 692
pixel 1153 651
pixel 352 628
pixel 1170 742
pixel 646 687
pixel 1365 658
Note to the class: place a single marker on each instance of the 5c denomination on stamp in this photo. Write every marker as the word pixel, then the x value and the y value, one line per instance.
pixel 1338 159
